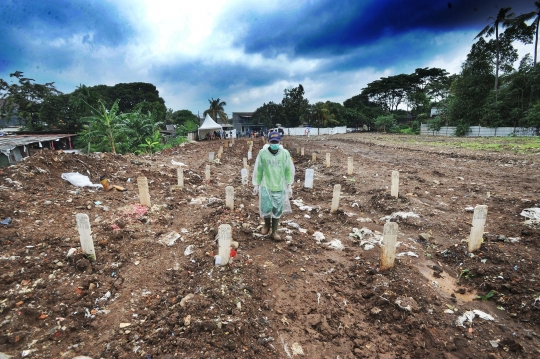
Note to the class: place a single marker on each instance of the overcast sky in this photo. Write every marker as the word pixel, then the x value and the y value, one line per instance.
pixel 246 52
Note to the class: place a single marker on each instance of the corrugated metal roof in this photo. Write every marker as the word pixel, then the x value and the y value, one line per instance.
pixel 9 142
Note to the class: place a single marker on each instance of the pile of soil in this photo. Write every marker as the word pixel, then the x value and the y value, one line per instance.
pixel 319 293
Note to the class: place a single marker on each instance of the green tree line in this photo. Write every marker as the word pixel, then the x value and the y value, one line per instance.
pixel 126 117
pixel 488 91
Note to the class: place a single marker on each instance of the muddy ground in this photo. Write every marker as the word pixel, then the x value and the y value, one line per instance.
pixel 295 298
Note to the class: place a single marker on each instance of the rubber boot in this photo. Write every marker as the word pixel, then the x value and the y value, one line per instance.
pixel 266 227
pixel 275 225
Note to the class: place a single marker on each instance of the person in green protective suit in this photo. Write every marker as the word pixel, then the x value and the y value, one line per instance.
pixel 273 176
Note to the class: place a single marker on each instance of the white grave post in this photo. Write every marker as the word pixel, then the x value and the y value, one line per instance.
pixel 144 195
pixel 85 233
pixel 244 172
pixel 477 230
pixel 308 183
pixel 349 166
pixel 297 150
pixel 245 162
pixel 180 172
pixel 210 156
pixel 302 151
pixel 388 253
pixel 327 160
pixel 229 197
pixel 395 184
pixel 220 152
pixel 207 173
pixel 224 242
pixel 230 143
pixel 335 198
pixel 250 156
pixel 313 157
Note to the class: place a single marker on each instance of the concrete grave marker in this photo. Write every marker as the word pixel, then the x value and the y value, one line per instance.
pixel 313 157
pixel 349 166
pixel 85 233
pixel 249 155
pixel 229 197
pixel 395 184
pixel 308 183
pixel 388 254
pixel 180 172
pixel 335 198
pixel 297 150
pixel 210 156
pixel 302 151
pixel 207 173
pixel 245 162
pixel 144 194
pixel 327 160
pixel 477 230
pixel 224 242
pixel 245 176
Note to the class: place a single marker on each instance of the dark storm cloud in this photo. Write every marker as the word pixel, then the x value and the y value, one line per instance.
pixel 25 20
pixel 336 27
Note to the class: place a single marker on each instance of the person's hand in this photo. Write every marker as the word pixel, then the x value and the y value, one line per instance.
pixel 256 190
pixel 289 191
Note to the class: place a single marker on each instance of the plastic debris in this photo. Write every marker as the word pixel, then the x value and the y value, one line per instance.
pixel 319 237
pixel 71 252
pixel 297 349
pixel 470 315
pixel 169 239
pixel 335 244
pixel 402 215
pixel 469 209
pixel 368 239
pixel 6 221
pixel 79 180
pixel 5 356
pixel 189 250
pixel 233 253
pixel 174 163
pixel 300 204
pixel 410 254
pixel 533 214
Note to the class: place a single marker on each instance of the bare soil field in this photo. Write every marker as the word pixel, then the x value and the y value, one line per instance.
pixel 303 297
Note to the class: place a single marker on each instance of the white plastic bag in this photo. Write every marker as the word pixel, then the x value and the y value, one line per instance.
pixel 79 180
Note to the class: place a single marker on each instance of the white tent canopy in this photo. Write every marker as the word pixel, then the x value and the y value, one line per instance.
pixel 208 126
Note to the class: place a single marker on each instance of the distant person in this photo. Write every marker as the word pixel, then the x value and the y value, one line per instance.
pixel 273 175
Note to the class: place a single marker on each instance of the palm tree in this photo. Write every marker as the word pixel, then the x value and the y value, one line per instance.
pixel 506 19
pixel 216 109
pixel 536 16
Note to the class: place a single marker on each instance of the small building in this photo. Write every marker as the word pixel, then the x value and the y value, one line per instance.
pixel 16 147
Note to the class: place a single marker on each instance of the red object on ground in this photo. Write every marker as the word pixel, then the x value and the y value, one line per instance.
pixel 233 253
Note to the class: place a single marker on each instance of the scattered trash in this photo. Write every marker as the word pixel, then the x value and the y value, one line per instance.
pixel 79 180
pixel 319 237
pixel 364 220
pixel 97 203
pixel 124 325
pixel 514 239
pixel 189 250
pixel 396 215
pixel 169 239
pixel 368 239
pixel 469 209
pixel 300 204
pixel 174 163
pixel 407 303
pixel 297 349
pixel 217 260
pixel 533 215
pixel 335 244
pixel 5 356
pixel 233 253
pixel 494 343
pixel 410 254
pixel 6 221
pixel 71 252
pixel 26 353
pixel 470 315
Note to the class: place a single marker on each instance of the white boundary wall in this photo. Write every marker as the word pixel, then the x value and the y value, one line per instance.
pixel 313 131
pixel 479 131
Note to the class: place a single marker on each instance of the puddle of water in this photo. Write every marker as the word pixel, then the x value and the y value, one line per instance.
pixel 447 284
